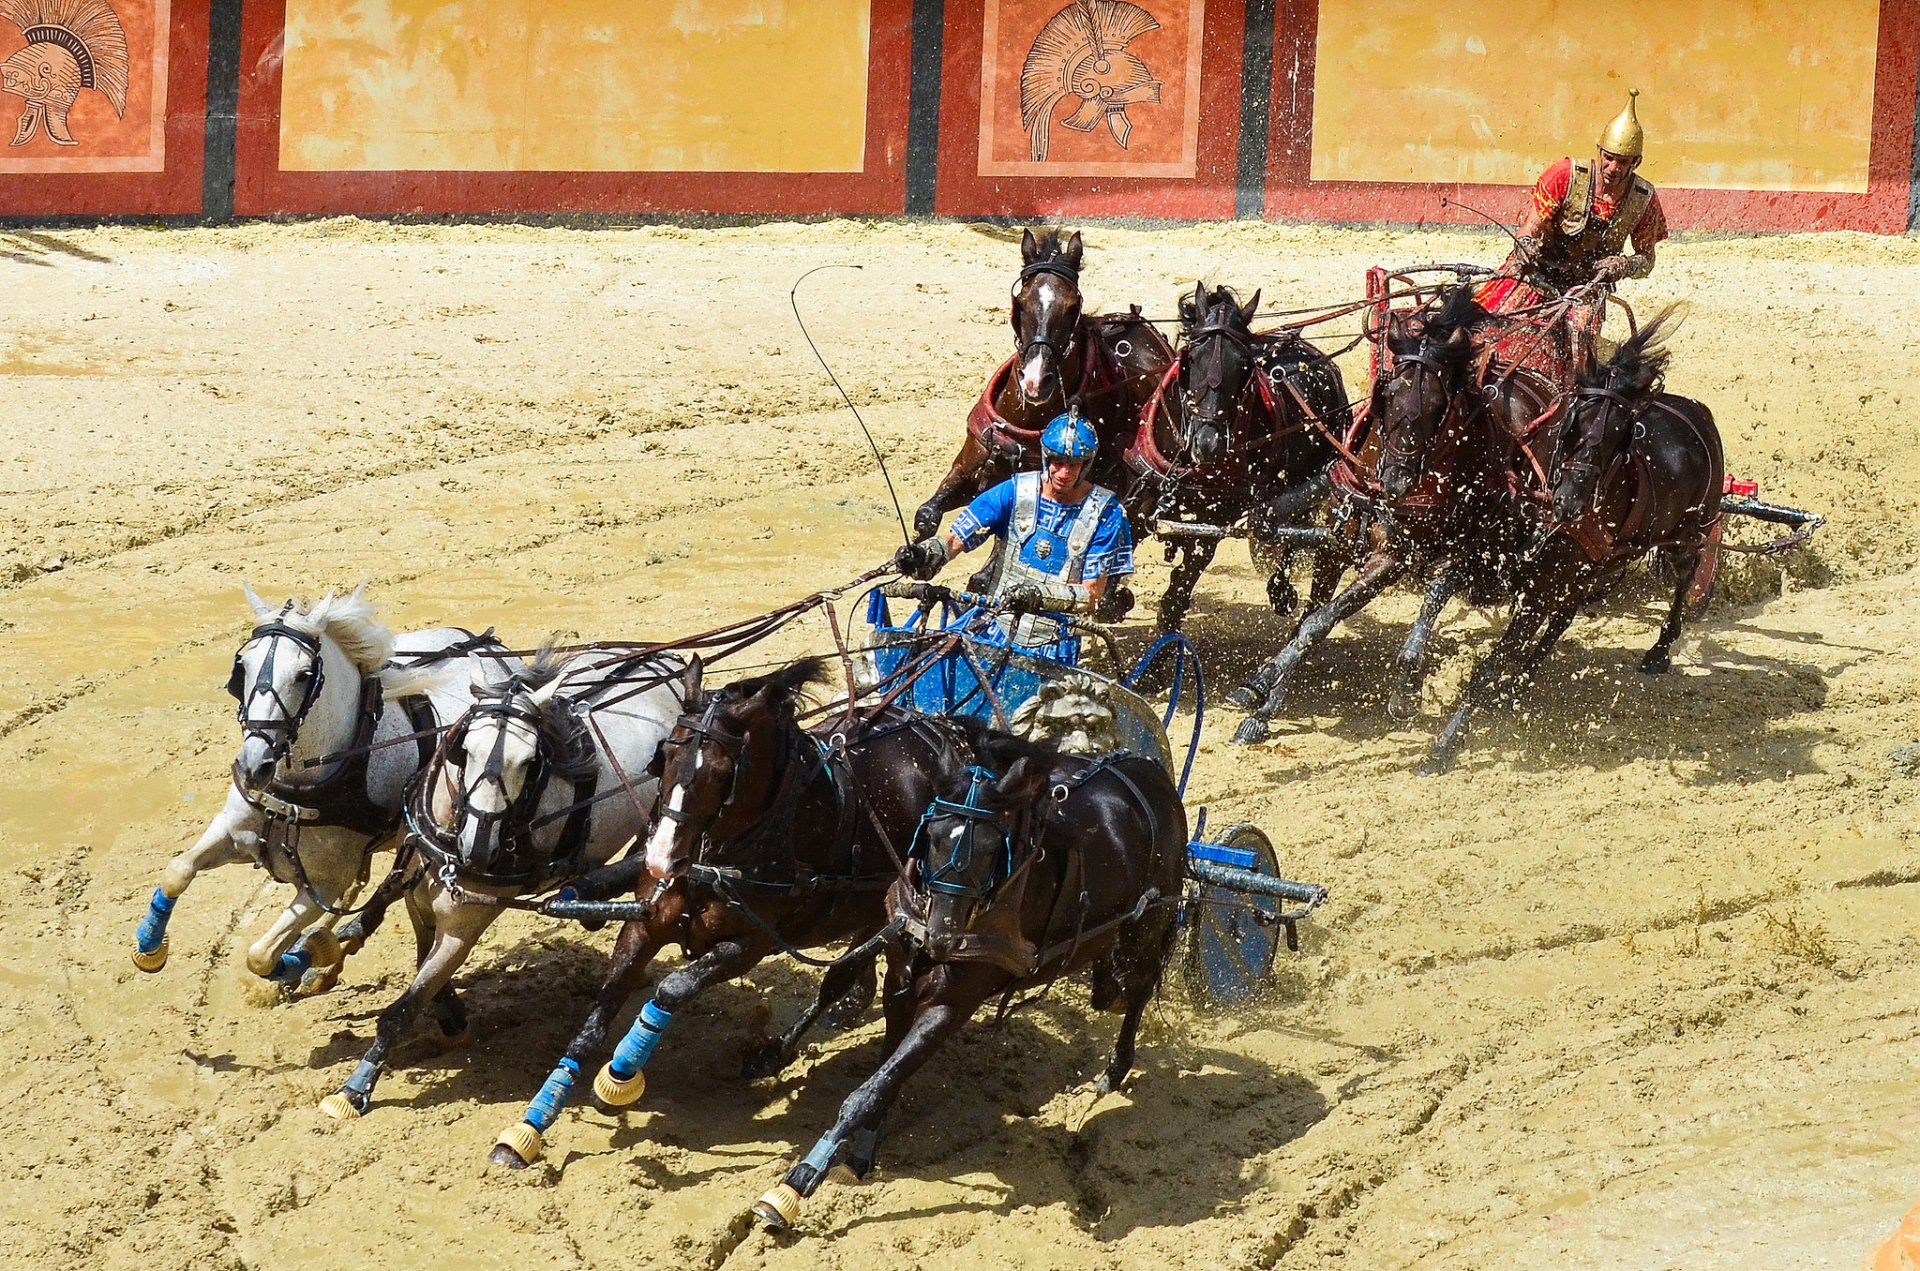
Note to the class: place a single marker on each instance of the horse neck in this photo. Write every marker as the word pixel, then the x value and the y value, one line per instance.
pixel 770 748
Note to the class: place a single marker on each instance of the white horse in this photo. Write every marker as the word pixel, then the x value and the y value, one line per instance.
pixel 532 787
pixel 326 699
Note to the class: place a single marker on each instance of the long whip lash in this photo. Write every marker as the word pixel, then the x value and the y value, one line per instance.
pixel 1499 225
pixel 793 299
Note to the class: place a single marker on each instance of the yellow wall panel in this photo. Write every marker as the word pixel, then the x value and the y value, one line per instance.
pixel 1735 94
pixel 575 85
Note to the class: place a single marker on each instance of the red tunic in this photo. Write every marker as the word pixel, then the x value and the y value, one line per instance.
pixel 1544 200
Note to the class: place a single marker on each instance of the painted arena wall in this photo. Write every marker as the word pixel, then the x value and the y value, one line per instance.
pixel 1760 114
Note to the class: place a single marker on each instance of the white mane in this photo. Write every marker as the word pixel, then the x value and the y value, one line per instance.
pixel 346 620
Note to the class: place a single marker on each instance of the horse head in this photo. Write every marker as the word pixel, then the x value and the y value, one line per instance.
pixel 1607 400
pixel 493 764
pixel 1046 311
pixel 1216 367
pixel 963 849
pixel 296 681
pixel 719 768
pixel 1430 359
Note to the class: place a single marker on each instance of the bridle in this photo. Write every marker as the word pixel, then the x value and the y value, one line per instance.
pixel 443 842
pixel 1581 468
pixel 278 733
pixel 956 876
pixel 1212 373
pixel 1428 358
pixel 1071 276
pixel 706 731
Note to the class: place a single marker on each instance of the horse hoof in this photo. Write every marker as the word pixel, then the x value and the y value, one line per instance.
pixel 614 1092
pixel 846 1175
pixel 324 948
pixel 1438 765
pixel 317 981
pixel 339 1107
pixel 151 962
pixel 1400 707
pixel 1252 729
pixel 517 1147
pixel 778 1208
pixel 767 1060
pixel 1651 665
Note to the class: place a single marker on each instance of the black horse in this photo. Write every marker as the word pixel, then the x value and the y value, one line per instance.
pixel 1105 365
pixel 1030 866
pixel 1239 429
pixel 1633 470
pixel 766 837
pixel 1433 496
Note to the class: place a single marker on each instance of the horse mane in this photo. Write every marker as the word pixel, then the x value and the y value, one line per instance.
pixel 565 730
pixel 999 752
pixel 1457 310
pixel 1050 243
pixel 783 686
pixel 1191 315
pixel 346 620
pixel 1639 366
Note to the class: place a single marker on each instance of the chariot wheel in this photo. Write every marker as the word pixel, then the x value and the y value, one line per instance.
pixel 1229 952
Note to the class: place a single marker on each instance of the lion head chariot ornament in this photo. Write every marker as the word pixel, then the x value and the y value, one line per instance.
pixel 1082 52
pixel 71 45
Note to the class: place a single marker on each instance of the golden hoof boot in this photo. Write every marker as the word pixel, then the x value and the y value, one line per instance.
pixel 522 1140
pixel 339 1107
pixel 151 962
pixel 325 949
pixel 614 1092
pixel 778 1208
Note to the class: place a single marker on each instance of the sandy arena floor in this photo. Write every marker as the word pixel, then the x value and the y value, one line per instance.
pixel 1633 987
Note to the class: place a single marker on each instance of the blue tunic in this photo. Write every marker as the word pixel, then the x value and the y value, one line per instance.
pixel 1109 555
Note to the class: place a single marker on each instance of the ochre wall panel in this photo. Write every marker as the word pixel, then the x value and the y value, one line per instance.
pixel 1736 94
pixel 575 86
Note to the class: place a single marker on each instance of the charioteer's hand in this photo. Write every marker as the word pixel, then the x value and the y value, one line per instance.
pixel 1526 251
pixel 1611 269
pixel 1027 597
pixel 921 561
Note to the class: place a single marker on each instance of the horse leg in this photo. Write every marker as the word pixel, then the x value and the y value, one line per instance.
pixel 331 861
pixel 216 847
pixel 1264 693
pixel 1409 669
pixel 623 1078
pixel 1659 659
pixel 774 1055
pixel 898 1003
pixel 847 1010
pixel 456 929
pixel 633 950
pixel 1142 977
pixel 1490 674
pixel 1195 556
pixel 863 1110
pixel 357 930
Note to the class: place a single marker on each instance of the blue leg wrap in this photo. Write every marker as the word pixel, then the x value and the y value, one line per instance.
pixel 821 1158
pixel 292 965
pixel 153 927
pixel 552 1097
pixel 361 1082
pixel 631 1055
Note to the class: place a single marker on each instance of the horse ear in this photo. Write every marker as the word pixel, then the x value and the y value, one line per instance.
pixel 1458 340
pixel 261 608
pixel 1073 249
pixel 657 766
pixel 1250 308
pixel 690 679
pixel 1028 248
pixel 1200 297
pixel 544 694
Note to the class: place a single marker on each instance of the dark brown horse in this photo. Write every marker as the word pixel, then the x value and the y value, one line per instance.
pixel 1238 429
pixel 1106 365
pixel 1433 495
pixel 766 837
pixel 1634 470
pixel 1017 880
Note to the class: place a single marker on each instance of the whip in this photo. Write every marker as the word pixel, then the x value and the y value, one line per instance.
pixel 793 299
pixel 1499 225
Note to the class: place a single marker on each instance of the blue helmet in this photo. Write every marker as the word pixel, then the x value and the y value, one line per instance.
pixel 1069 437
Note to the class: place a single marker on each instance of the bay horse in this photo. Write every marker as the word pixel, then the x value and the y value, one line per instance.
pixel 530 787
pixel 1105 365
pixel 1238 428
pixel 1030 866
pixel 1633 469
pixel 1439 501
pixel 766 837
pixel 326 698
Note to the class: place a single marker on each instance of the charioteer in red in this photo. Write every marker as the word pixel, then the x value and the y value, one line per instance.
pixel 1582 218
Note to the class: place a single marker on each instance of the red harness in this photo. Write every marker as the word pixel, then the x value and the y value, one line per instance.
pixel 1100 374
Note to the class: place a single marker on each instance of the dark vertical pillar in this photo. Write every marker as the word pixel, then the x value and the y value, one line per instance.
pixel 1913 185
pixel 1256 110
pixel 923 107
pixel 223 106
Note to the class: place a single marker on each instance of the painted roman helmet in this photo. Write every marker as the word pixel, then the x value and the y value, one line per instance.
pixel 1069 437
pixel 1624 135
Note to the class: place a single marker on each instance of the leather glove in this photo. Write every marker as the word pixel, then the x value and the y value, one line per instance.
pixel 1526 251
pixel 1611 269
pixel 921 561
pixel 1027 596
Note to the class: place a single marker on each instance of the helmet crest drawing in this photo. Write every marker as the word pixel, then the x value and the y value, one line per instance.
pixel 71 45
pixel 1081 52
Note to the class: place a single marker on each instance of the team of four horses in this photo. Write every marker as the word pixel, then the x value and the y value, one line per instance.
pixel 986 817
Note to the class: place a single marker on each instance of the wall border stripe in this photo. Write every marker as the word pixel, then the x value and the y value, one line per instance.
pixel 1256 110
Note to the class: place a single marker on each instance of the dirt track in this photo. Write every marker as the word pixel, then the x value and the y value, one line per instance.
pixel 1633 987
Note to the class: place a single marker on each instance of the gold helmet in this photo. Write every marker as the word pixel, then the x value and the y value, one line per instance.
pixel 1624 136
